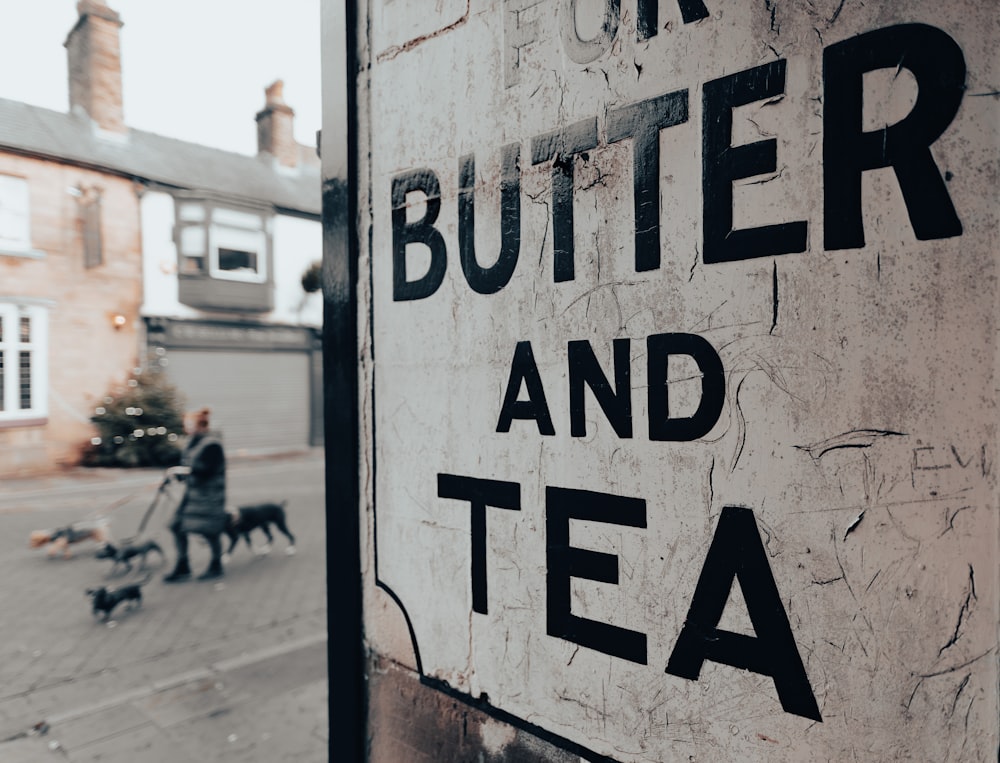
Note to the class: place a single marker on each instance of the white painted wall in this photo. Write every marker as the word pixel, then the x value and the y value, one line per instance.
pixel 859 417
pixel 297 243
pixel 159 258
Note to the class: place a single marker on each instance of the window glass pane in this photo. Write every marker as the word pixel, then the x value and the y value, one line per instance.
pixel 239 219
pixel 192 212
pixel 192 265
pixel 234 238
pixel 25 380
pixel 14 193
pixel 193 240
pixel 237 260
pixel 15 232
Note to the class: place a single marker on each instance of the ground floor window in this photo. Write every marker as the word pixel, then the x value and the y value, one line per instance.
pixel 15 227
pixel 23 361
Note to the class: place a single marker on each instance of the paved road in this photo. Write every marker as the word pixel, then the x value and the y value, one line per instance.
pixel 203 671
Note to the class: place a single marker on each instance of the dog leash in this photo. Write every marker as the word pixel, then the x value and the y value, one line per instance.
pixel 160 491
pixel 120 502
pixel 98 514
pixel 93 518
pixel 125 499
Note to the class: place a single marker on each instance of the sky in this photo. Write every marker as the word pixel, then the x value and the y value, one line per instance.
pixel 191 69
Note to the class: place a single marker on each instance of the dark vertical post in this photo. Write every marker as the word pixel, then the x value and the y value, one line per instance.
pixel 348 703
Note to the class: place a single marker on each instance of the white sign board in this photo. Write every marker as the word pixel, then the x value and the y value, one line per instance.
pixel 681 359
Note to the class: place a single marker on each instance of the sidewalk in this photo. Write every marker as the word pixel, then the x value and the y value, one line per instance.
pixel 201 672
pixel 217 713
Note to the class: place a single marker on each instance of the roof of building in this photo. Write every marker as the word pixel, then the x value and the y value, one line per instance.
pixel 147 156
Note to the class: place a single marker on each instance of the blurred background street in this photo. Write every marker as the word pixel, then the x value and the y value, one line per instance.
pixel 203 671
pixel 160 250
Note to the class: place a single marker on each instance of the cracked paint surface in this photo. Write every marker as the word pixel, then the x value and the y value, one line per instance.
pixel 859 416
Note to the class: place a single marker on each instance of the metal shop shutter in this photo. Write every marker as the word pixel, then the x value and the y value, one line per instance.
pixel 259 401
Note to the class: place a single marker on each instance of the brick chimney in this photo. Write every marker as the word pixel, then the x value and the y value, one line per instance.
pixel 95 66
pixel 274 127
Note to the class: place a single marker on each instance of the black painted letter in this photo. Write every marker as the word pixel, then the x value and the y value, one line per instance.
pixel 480 493
pixel 737 553
pixel 493 279
pixel 642 122
pixel 421 231
pixel 647 15
pixel 616 403
pixel 659 348
pixel 938 65
pixel 722 163
pixel 562 146
pixel 565 562
pixel 523 369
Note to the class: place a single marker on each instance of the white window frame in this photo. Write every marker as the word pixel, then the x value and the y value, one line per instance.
pixel 11 346
pixel 15 215
pixel 231 237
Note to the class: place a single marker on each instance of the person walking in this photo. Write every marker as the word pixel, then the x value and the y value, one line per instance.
pixel 202 509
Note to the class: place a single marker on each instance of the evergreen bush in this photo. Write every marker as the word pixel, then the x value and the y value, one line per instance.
pixel 139 423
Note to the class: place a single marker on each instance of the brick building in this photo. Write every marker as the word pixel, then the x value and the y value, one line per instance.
pixel 116 242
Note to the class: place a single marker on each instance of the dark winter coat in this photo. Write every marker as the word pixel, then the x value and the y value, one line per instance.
pixel 203 508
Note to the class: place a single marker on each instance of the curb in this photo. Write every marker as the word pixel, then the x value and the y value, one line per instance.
pixel 81 480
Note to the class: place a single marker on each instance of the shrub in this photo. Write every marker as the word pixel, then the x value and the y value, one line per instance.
pixel 312 278
pixel 139 423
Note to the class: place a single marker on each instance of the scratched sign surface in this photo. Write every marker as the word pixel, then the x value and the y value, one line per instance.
pixel 681 369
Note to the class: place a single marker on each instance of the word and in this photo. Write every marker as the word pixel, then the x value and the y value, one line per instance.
pixel 932 56
pixel 736 552
pixel 616 402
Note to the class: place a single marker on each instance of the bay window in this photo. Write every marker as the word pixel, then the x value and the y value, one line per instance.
pixel 224 254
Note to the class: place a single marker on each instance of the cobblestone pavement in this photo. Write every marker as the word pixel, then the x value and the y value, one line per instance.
pixel 202 671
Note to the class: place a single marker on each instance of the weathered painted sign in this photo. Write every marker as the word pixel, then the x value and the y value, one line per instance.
pixel 680 345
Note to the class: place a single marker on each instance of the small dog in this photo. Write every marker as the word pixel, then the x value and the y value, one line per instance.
pixel 123 555
pixel 106 600
pixel 61 538
pixel 247 518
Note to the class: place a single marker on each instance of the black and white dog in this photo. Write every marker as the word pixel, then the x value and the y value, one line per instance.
pixel 123 555
pixel 245 519
pixel 105 600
